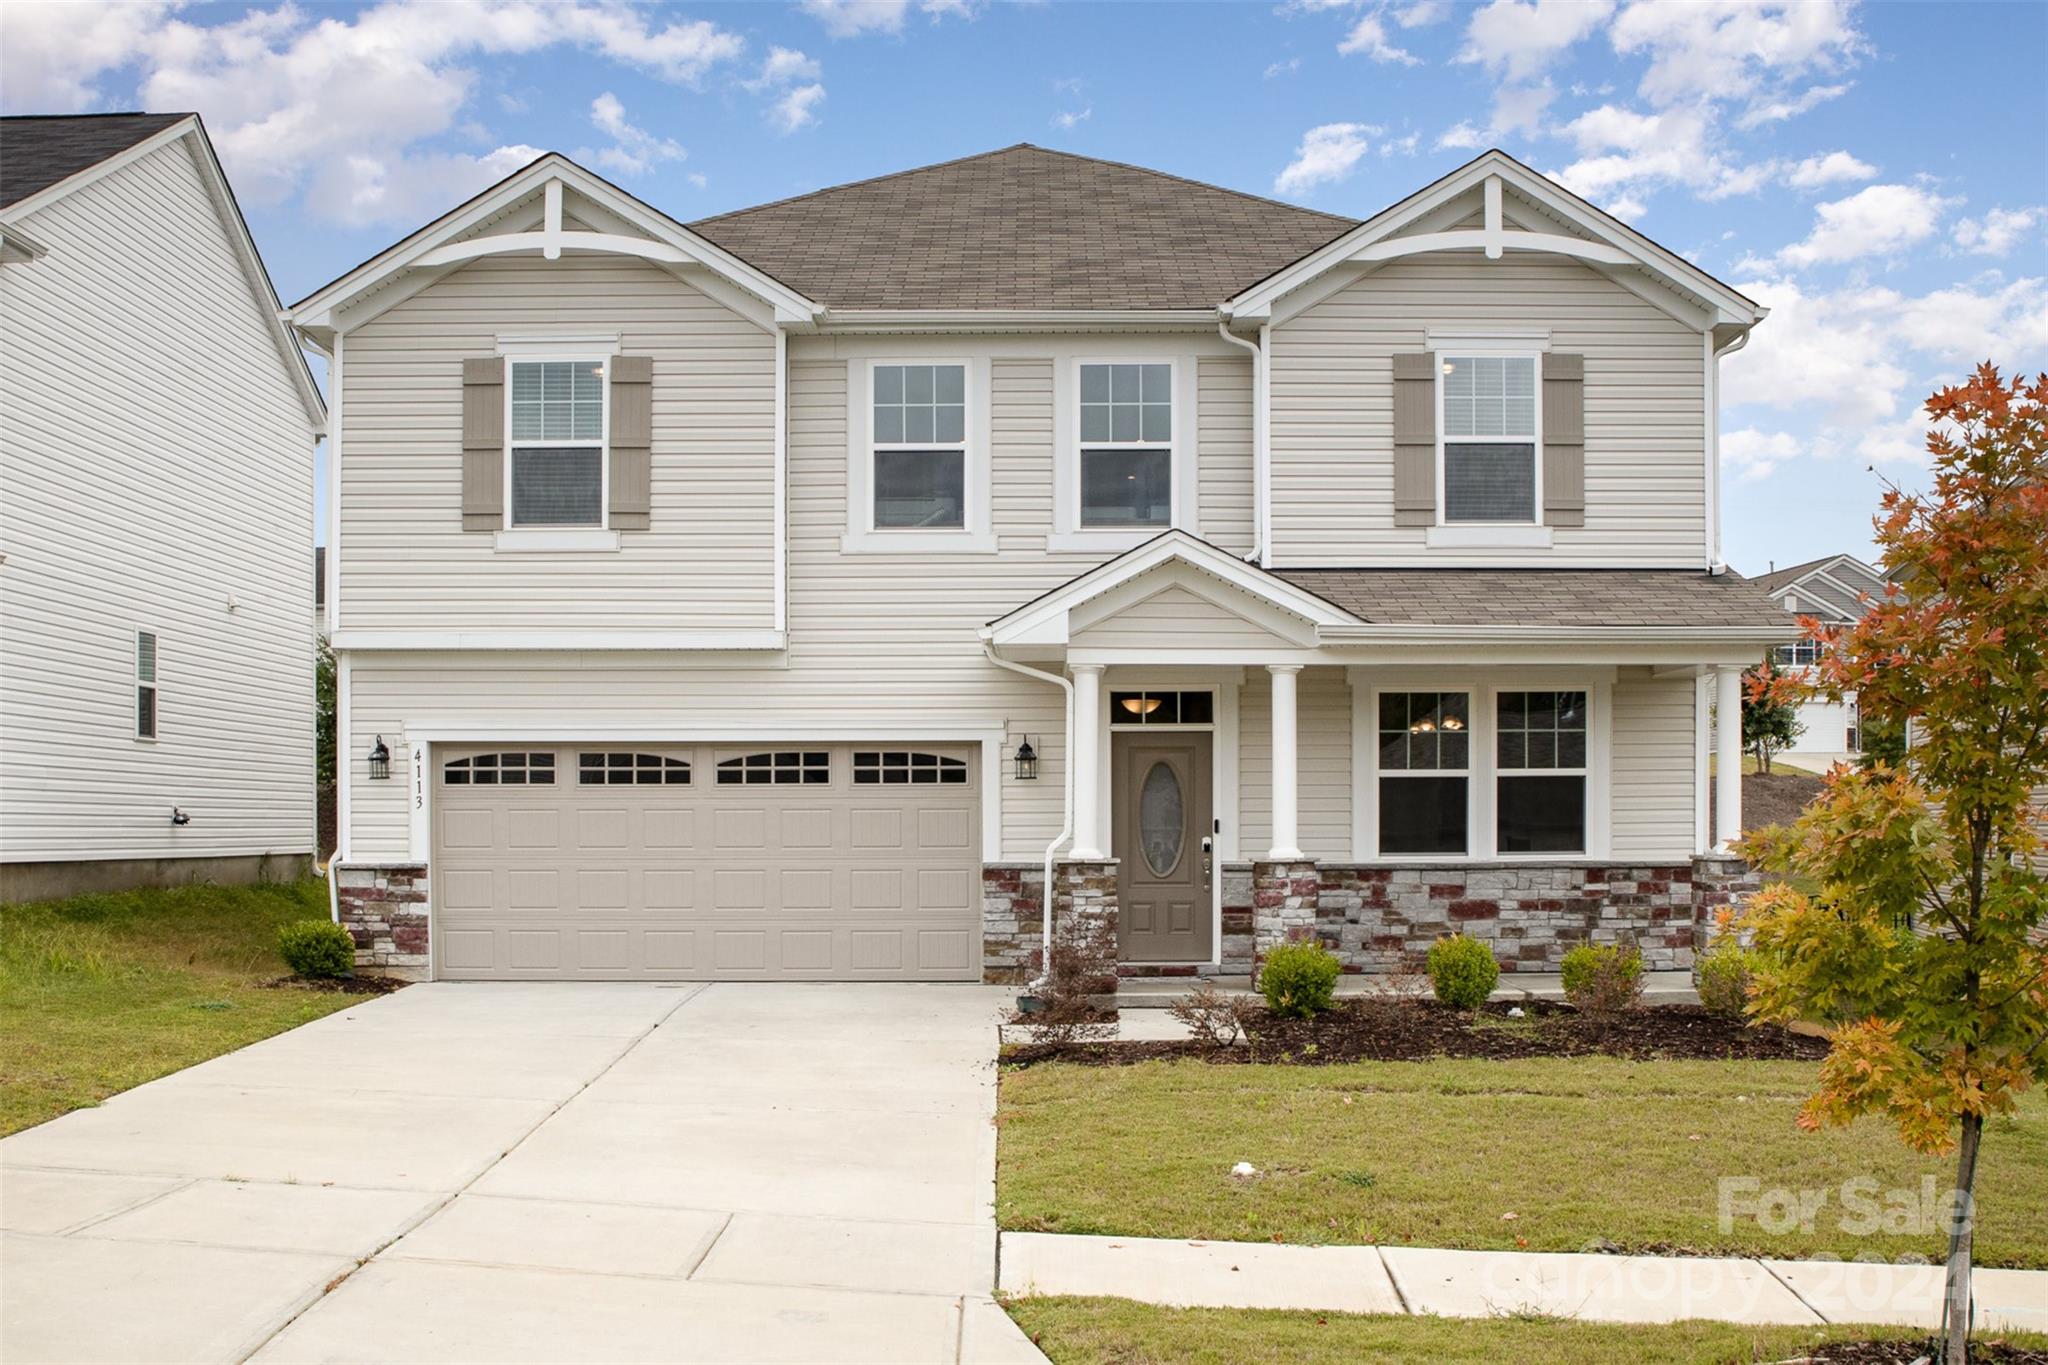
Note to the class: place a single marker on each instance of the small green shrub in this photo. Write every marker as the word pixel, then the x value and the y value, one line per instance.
pixel 1605 978
pixel 1299 979
pixel 317 947
pixel 1462 971
pixel 1723 978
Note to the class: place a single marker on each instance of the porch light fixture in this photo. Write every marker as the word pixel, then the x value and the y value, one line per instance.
pixel 1027 761
pixel 380 760
pixel 1141 705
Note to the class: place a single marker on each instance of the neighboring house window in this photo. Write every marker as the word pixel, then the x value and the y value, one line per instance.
pixel 627 769
pixel 1799 654
pixel 556 472
pixel 920 434
pixel 1425 763
pixel 1541 789
pixel 145 684
pixel 1126 445
pixel 898 767
pixel 1489 438
pixel 782 768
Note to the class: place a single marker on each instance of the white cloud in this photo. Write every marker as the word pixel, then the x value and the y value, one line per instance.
pixel 1749 51
pixel 1875 221
pixel 634 151
pixel 1072 117
pixel 797 108
pixel 1369 35
pixel 1461 137
pixel 1830 169
pixel 1423 13
pixel 1519 39
pixel 1753 454
pixel 785 66
pixel 1997 232
pixel 852 18
pixel 1327 154
pixel 1286 68
pixel 55 53
pixel 1768 110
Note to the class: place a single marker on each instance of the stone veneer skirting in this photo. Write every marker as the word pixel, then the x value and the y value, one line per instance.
pixel 384 909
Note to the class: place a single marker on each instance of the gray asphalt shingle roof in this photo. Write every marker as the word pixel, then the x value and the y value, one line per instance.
pixel 1023 227
pixel 1592 598
pixel 38 150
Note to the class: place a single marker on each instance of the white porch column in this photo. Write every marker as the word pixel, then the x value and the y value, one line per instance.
pixel 1084 751
pixel 1727 756
pixel 1286 778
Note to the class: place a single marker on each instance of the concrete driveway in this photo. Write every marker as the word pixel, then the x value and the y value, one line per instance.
pixel 533 1172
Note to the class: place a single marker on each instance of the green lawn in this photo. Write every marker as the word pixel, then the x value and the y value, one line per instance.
pixel 101 993
pixel 1075 1331
pixel 1439 1153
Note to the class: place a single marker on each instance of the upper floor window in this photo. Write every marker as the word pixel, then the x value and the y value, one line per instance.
pixel 1798 654
pixel 557 467
pixel 920 454
pixel 1490 424
pixel 145 684
pixel 1126 413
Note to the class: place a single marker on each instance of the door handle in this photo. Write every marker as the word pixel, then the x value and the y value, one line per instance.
pixel 1208 866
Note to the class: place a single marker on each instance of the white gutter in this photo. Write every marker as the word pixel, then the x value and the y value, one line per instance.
pixel 1373 634
pixel 1258 350
pixel 1066 800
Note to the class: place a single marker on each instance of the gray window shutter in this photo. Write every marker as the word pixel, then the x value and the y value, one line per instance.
pixel 1415 439
pixel 1564 439
pixel 632 441
pixel 483 443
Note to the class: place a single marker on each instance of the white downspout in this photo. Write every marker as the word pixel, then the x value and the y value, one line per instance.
pixel 1258 437
pixel 1066 801
pixel 1715 564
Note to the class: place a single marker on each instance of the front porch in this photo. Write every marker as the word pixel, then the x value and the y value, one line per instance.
pixel 1253 763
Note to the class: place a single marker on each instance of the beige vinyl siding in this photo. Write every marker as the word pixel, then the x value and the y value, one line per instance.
pixel 1323 754
pixel 1332 415
pixel 406 562
pixel 156 473
pixel 1224 397
pixel 1175 618
pixel 1652 788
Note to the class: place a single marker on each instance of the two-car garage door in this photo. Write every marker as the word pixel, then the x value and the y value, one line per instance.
pixel 698 862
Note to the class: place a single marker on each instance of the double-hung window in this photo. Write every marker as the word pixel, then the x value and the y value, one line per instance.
pixel 1540 797
pixel 1425 746
pixel 1489 434
pixel 920 447
pixel 1798 654
pixel 145 684
pixel 556 473
pixel 1126 445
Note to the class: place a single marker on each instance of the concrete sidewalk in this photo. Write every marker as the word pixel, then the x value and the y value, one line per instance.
pixel 546 1172
pixel 1476 1284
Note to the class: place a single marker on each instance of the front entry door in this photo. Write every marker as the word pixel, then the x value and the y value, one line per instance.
pixel 1160 835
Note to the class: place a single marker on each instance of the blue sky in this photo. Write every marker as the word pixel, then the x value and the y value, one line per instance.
pixel 1877 174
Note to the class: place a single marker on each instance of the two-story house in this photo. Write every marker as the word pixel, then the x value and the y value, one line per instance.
pixel 1836 591
pixel 796 592
pixel 157 430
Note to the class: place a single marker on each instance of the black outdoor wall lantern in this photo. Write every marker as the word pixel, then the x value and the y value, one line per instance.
pixel 1027 761
pixel 380 760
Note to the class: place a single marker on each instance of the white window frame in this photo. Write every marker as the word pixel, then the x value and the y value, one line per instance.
pixel 1489 534
pixel 976 536
pixel 1474 700
pixel 1068 532
pixel 150 685
pixel 551 536
pixel 1585 772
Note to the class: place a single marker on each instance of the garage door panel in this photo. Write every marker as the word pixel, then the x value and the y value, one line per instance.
pixel 644 865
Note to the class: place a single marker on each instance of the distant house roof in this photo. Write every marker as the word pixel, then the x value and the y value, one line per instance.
pixel 1023 228
pixel 39 150
pixel 1833 587
pixel 1589 598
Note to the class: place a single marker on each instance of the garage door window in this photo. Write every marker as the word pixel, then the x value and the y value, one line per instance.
pixel 515 769
pixel 626 769
pixel 780 768
pixel 900 767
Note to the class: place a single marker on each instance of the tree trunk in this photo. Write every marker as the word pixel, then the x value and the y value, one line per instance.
pixel 1955 1310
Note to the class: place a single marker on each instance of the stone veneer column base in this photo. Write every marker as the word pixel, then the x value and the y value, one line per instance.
pixel 1084 909
pixel 384 909
pixel 1284 900
pixel 1721 882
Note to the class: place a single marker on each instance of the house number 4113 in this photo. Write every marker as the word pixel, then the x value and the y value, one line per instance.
pixel 419 779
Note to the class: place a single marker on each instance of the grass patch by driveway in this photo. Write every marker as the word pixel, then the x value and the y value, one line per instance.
pixel 101 993
pixel 1076 1331
pixel 1439 1153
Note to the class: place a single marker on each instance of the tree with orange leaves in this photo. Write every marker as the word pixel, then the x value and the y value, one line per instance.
pixel 1922 946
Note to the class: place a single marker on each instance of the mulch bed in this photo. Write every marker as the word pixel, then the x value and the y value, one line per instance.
pixel 1904 1352
pixel 1416 1030
pixel 338 985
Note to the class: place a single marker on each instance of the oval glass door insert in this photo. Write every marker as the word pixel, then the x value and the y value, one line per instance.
pixel 1162 828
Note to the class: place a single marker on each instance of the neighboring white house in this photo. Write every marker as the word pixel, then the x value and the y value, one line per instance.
pixel 779 595
pixel 157 426
pixel 1836 591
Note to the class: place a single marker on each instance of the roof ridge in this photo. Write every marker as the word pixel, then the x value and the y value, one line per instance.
pixel 1024 147
pixel 104 113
